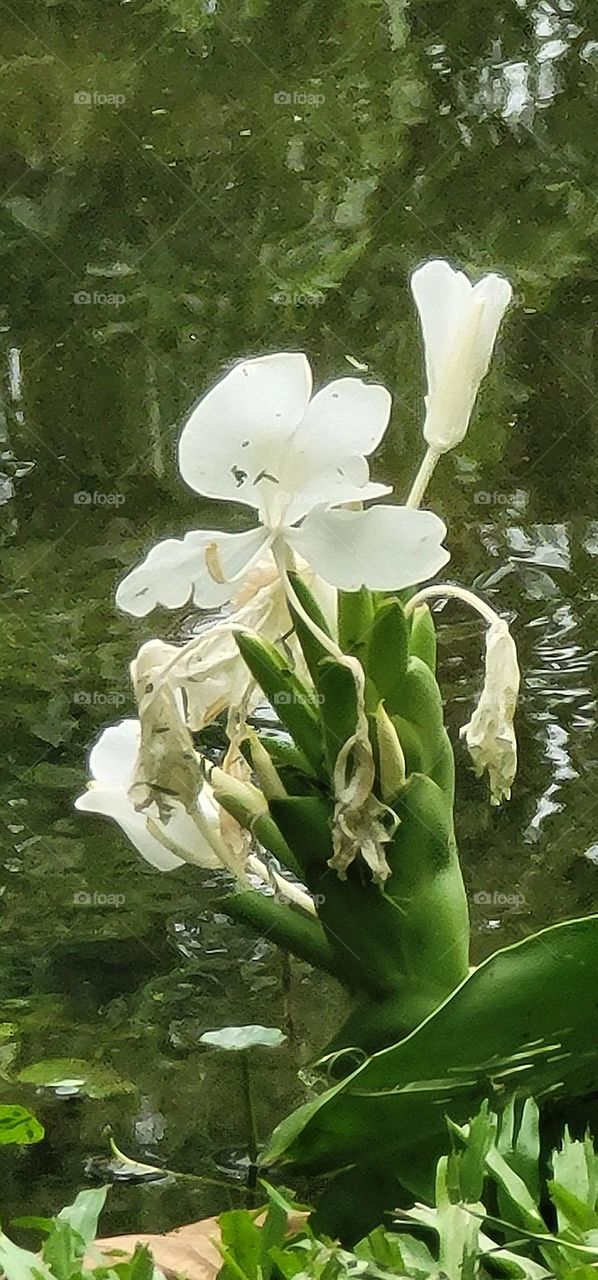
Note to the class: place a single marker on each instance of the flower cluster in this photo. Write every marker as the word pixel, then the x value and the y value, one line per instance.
pixel 300 462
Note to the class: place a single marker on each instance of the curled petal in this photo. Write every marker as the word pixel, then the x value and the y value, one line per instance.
pixel 490 734
pixel 203 566
pixel 234 441
pixel 384 548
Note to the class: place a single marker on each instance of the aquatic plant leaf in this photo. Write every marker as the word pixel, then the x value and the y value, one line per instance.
pixel 19 1126
pixel 236 1039
pixel 71 1076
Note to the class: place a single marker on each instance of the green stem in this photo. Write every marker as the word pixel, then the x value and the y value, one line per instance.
pixel 423 477
pixel 252 1142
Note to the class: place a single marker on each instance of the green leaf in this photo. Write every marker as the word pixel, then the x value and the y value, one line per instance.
pixel 139 1267
pixel 519 1141
pixel 526 1013
pixel 63 1251
pixel 338 709
pixel 238 1039
pixel 240 1245
pixel 21 1264
pixel 355 618
pixel 288 927
pixel 387 654
pixel 17 1125
pixel 470 1163
pixel 573 1214
pixel 422 638
pixel 313 649
pixel 83 1214
pixel 73 1075
pixel 575 1168
pixel 291 700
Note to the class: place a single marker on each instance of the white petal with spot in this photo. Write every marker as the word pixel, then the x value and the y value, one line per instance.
pixel 177 570
pixel 234 441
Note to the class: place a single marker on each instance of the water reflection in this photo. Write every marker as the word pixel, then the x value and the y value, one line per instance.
pixel 223 219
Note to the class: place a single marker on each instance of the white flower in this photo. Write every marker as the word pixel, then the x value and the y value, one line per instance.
pixel 112 764
pixel 460 323
pixel 261 439
pixel 490 734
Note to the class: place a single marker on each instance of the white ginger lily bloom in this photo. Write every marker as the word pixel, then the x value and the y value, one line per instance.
pixel 460 323
pixel 259 438
pixel 490 735
pixel 113 764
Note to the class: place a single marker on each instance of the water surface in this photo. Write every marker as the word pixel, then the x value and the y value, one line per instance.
pixel 184 183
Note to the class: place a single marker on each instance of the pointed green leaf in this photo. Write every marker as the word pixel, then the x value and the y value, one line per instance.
pixel 313 649
pixel 355 618
pixel 338 708
pixel 83 1214
pixel 422 638
pixel 289 928
pixel 291 700
pixel 387 654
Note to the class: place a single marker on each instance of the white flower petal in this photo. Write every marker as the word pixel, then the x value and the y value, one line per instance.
pixel 495 293
pixel 441 295
pixel 347 416
pixel 385 548
pixel 112 764
pixel 177 569
pixel 113 802
pixel 332 484
pixel 234 441
pixel 113 757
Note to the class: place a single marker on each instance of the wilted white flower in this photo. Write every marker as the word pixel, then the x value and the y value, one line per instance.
pixel 460 323
pixel 490 734
pixel 259 438
pixel 209 670
pixel 165 844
